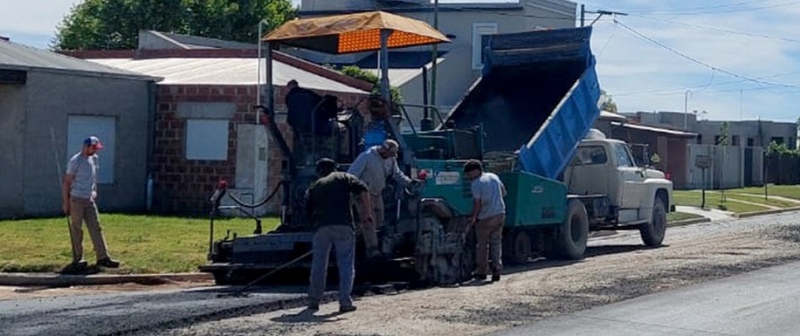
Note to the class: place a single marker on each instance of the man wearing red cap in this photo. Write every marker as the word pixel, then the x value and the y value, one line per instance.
pixel 79 192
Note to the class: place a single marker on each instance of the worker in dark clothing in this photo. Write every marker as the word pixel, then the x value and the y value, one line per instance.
pixel 328 209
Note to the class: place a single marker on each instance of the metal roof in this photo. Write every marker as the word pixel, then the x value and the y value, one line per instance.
pixel 611 116
pixel 22 57
pixel 223 71
pixel 654 129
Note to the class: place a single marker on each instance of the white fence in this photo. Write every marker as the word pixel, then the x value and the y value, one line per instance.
pixel 730 166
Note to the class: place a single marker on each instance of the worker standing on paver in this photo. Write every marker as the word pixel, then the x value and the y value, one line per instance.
pixel 373 167
pixel 79 193
pixel 488 217
pixel 328 209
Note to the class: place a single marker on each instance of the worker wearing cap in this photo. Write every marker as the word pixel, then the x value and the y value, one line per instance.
pixel 79 193
pixel 374 166
pixel 488 217
pixel 328 209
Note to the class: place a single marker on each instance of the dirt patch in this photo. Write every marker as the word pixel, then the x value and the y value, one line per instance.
pixel 615 269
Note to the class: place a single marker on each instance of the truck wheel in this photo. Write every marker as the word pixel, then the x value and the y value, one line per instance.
pixel 520 249
pixel 653 232
pixel 571 236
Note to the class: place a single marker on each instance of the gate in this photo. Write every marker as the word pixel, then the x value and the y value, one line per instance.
pixel 748 166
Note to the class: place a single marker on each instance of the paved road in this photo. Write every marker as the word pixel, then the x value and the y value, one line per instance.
pixel 108 314
pixel 763 302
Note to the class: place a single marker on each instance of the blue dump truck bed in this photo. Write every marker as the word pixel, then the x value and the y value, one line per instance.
pixel 538 94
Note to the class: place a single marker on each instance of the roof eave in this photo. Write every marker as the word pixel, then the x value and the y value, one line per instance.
pixel 85 73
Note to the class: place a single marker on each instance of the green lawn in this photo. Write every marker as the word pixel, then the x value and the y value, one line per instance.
pixel 679 216
pixel 769 201
pixel 143 243
pixel 713 200
pixel 788 191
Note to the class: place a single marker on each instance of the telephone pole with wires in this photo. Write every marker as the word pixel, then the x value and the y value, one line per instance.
pixel 600 14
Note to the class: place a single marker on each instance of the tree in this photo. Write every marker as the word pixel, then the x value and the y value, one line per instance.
pixel 358 73
pixel 608 104
pixel 724 138
pixel 115 24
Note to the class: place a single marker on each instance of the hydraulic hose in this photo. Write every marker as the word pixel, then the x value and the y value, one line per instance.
pixel 256 205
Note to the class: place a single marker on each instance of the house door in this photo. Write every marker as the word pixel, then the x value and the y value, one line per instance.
pixel 748 166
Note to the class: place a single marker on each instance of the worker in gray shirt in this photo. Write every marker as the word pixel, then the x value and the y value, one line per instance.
pixel 79 192
pixel 373 167
pixel 488 217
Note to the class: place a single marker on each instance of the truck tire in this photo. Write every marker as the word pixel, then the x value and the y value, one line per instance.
pixel 517 248
pixel 653 233
pixel 571 236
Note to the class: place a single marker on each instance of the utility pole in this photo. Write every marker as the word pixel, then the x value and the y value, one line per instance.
pixel 435 53
pixel 600 14
pixel 686 109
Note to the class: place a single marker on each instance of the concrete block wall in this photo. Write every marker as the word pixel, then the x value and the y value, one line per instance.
pixel 183 186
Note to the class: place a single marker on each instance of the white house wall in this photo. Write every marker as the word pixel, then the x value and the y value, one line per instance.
pixel 727 169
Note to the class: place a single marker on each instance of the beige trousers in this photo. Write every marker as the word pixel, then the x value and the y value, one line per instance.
pixel 489 236
pixel 370 230
pixel 81 210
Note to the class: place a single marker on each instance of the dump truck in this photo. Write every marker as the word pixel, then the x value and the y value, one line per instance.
pixel 529 119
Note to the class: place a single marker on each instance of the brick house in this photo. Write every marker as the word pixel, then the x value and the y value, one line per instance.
pixel 205 126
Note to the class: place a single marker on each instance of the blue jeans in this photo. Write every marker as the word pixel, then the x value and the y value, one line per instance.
pixel 342 238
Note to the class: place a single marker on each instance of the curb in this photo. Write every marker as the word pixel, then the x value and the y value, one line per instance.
pixel 688 222
pixel 766 212
pixel 63 280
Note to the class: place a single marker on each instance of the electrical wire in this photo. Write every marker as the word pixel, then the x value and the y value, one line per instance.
pixel 721 29
pixel 682 89
pixel 715 11
pixel 694 60
pixel 700 8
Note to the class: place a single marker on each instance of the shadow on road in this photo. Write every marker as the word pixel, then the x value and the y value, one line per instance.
pixel 307 316
pixel 591 252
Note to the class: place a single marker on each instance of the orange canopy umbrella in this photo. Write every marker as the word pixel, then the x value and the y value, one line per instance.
pixel 352 33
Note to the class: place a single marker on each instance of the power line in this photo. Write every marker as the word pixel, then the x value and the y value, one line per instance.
pixel 640 35
pixel 682 89
pixel 721 29
pixel 733 10
pixel 700 8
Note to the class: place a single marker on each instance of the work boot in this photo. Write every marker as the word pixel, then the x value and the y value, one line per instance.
pixel 347 309
pixel 495 277
pixel 108 262
pixel 76 267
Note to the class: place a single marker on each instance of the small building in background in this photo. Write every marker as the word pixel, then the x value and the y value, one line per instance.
pixel 206 125
pixel 49 103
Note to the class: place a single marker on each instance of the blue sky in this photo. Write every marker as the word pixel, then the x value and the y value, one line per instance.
pixel 739 58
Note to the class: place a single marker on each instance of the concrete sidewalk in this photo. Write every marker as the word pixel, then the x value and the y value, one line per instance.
pixel 712 214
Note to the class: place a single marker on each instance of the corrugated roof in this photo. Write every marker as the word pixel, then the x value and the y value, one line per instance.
pixel 223 71
pixel 656 129
pixel 18 56
pixel 606 115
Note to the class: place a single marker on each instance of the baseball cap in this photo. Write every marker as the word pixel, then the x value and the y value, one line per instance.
pixel 391 146
pixel 93 141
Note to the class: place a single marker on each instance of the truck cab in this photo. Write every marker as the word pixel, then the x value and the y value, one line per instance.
pixel 637 195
